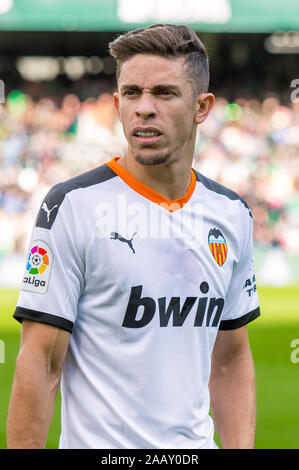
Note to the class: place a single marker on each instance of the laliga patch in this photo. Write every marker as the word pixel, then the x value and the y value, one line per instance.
pixel 217 246
pixel 38 268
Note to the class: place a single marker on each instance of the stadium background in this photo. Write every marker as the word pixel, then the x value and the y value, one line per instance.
pixel 57 120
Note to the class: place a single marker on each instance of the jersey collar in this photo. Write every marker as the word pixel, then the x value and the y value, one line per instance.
pixel 150 193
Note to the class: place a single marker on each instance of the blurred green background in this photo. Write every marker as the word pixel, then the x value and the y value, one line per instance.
pixel 276 375
pixel 57 120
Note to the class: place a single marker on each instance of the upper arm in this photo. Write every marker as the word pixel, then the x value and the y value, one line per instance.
pixel 231 345
pixel 54 269
pixel 44 344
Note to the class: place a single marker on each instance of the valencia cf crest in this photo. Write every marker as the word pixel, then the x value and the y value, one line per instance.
pixel 217 246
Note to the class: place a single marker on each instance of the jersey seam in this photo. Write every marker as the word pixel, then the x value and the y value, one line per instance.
pixel 147 192
pixel 76 251
pixel 58 194
pixel 212 186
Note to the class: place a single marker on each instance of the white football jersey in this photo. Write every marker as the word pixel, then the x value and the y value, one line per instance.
pixel 143 284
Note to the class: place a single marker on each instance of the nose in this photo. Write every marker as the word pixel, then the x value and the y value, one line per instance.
pixel 145 107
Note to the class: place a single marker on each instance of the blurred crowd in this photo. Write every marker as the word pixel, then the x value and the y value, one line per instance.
pixel 252 147
pixel 249 146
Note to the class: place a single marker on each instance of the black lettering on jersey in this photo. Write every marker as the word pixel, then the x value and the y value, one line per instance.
pixel 33 281
pixel 173 308
pixel 251 284
pixel 252 290
pixel 135 301
pixel 203 309
pixel 218 304
pixel 55 197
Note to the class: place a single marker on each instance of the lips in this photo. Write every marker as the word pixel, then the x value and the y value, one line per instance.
pixel 146 134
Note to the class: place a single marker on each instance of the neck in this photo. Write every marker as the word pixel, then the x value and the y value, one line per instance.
pixel 170 179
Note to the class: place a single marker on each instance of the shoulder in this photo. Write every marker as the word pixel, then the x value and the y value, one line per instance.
pixel 219 189
pixel 55 197
pixel 90 178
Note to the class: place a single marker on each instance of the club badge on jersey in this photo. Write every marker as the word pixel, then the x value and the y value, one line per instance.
pixel 38 268
pixel 217 246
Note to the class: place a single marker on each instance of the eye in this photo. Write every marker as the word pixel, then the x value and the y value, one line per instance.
pixel 165 93
pixel 130 93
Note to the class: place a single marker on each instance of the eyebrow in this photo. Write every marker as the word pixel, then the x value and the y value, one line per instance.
pixel 165 86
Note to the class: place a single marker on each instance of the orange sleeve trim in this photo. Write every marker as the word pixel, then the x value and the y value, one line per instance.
pixel 150 193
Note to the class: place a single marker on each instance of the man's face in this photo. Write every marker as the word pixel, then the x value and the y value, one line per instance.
pixel 157 108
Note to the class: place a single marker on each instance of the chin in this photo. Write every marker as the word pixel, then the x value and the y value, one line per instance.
pixel 152 160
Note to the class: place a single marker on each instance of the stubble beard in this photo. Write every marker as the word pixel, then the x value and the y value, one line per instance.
pixel 152 161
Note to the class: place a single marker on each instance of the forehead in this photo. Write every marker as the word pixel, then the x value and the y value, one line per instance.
pixel 147 70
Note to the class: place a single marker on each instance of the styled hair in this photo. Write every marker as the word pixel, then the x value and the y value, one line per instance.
pixel 168 41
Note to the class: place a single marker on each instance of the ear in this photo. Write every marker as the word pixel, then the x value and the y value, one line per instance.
pixel 116 103
pixel 204 104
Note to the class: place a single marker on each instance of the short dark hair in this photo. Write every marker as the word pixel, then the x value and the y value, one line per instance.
pixel 168 41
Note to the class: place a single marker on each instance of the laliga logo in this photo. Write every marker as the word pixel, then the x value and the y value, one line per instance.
pixel 38 267
pixel 37 260
pixel 37 263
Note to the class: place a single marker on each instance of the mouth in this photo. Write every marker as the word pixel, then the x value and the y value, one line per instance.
pixel 147 135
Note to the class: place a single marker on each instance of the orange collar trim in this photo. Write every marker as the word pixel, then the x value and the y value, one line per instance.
pixel 150 193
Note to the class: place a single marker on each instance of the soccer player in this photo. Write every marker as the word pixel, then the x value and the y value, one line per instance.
pixel 139 280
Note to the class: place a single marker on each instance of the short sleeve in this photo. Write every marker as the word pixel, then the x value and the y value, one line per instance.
pixel 242 303
pixel 53 277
